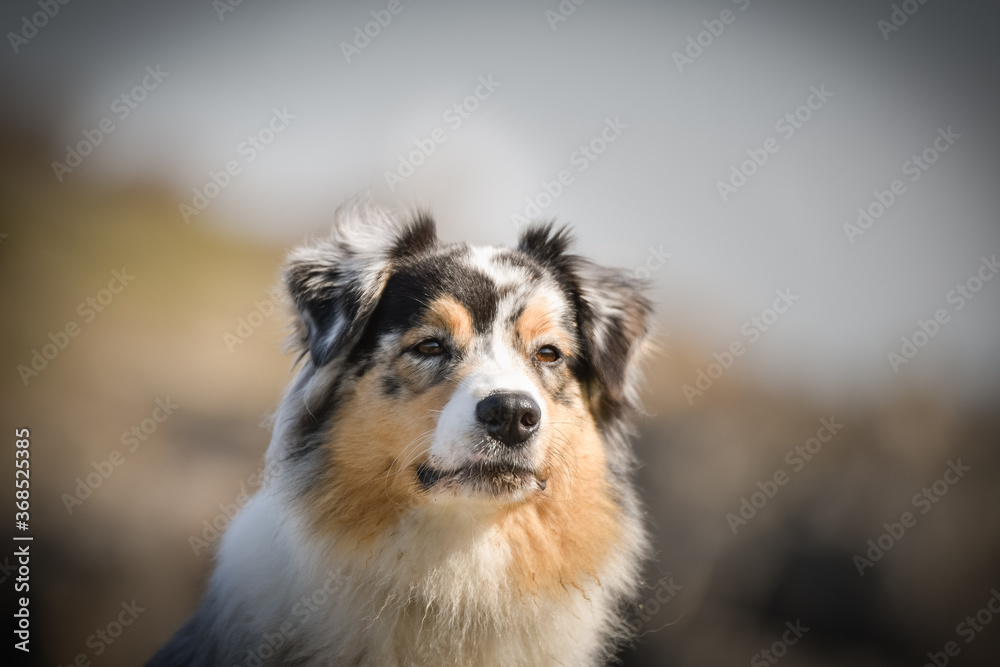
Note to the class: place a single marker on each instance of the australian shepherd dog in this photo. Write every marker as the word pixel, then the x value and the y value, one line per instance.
pixel 449 480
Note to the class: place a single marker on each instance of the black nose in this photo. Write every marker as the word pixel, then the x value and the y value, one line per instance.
pixel 508 417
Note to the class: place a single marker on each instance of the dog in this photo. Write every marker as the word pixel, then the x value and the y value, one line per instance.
pixel 449 480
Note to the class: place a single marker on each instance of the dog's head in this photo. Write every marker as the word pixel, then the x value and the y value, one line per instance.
pixel 444 372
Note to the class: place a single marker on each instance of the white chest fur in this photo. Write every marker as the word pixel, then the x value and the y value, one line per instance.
pixel 435 590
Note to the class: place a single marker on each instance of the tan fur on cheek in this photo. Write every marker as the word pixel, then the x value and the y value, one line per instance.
pixel 560 538
pixel 372 448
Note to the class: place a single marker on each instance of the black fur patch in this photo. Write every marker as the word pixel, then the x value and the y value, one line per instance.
pixel 419 236
pixel 309 430
pixel 419 281
pixel 391 386
pixel 548 244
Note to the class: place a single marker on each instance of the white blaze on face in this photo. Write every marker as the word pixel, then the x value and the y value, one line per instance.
pixel 497 368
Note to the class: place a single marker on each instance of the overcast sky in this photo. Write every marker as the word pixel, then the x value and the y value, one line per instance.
pixel 667 120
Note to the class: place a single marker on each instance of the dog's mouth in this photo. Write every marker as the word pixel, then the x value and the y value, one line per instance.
pixel 495 480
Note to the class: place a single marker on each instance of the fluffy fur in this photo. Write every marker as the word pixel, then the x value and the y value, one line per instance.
pixel 393 529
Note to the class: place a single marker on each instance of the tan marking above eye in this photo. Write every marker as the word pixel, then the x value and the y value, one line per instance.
pixel 539 322
pixel 448 314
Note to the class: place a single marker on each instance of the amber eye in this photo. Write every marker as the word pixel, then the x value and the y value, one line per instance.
pixel 430 347
pixel 547 354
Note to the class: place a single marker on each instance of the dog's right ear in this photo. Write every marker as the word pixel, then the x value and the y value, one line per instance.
pixel 336 283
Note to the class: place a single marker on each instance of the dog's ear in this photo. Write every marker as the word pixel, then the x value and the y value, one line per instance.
pixel 336 283
pixel 612 317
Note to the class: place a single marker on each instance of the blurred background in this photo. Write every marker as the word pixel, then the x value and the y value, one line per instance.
pixel 812 183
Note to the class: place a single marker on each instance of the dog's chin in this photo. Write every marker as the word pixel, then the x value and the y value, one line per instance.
pixel 496 482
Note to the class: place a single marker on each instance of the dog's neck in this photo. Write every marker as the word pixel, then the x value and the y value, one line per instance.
pixel 437 589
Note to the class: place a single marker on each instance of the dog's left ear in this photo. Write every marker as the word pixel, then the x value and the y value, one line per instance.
pixel 613 319
pixel 615 322
pixel 336 283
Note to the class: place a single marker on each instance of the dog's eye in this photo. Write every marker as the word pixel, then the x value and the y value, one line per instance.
pixel 429 347
pixel 547 354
